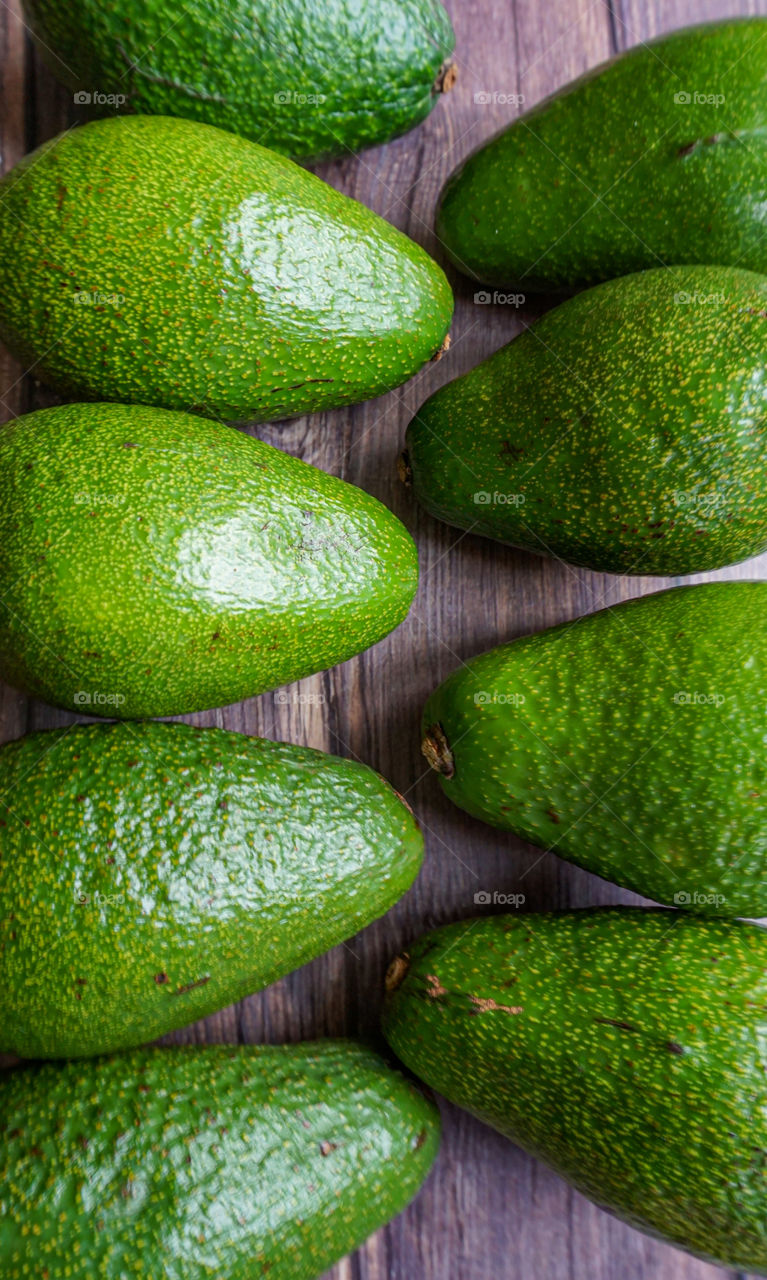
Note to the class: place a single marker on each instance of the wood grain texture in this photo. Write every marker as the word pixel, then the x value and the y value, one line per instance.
pixel 488 1212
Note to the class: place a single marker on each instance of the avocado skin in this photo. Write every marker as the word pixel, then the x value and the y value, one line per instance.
pixel 154 873
pixel 236 283
pixel 246 66
pixel 611 174
pixel 622 432
pixel 153 563
pixel 622 1046
pixel 629 742
pixel 228 1160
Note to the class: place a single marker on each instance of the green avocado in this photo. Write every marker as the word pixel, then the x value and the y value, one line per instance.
pixel 657 157
pixel 304 77
pixel 624 431
pixel 228 1161
pixel 159 261
pixel 151 874
pixel 153 563
pixel 630 741
pixel 623 1047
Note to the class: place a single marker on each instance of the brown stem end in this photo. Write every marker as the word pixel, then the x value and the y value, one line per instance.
pixel 395 974
pixel 446 76
pixel 437 752
pixel 441 349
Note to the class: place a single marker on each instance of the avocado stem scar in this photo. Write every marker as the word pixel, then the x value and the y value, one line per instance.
pixel 441 349
pixel 446 76
pixel 396 972
pixel 437 751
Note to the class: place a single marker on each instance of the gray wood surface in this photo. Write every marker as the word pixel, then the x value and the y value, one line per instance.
pixel 488 1212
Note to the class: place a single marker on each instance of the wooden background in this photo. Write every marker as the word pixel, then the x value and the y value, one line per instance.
pixel 488 1212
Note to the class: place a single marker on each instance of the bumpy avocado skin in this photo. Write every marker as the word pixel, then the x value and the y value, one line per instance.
pixel 226 1160
pixel 151 874
pixel 153 260
pixel 306 77
pixel 624 431
pixel 630 741
pixel 658 157
pixel 154 563
pixel 623 1047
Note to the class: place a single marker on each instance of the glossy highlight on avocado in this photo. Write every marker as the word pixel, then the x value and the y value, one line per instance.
pixel 306 77
pixel 153 260
pixel 655 158
pixel 152 874
pixel 623 1047
pixel 630 742
pixel 624 431
pixel 228 1160
pixel 154 563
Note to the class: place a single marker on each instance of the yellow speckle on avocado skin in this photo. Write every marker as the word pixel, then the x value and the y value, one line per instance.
pixel 153 563
pixel 541 209
pixel 634 1065
pixel 630 742
pixel 196 1161
pixel 189 268
pixel 206 895
pixel 358 75
pixel 623 431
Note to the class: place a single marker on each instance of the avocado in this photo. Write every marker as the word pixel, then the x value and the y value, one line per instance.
pixel 624 431
pixel 624 1047
pixel 657 157
pixel 306 77
pixel 233 1161
pixel 154 873
pixel 630 742
pixel 154 563
pixel 155 260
